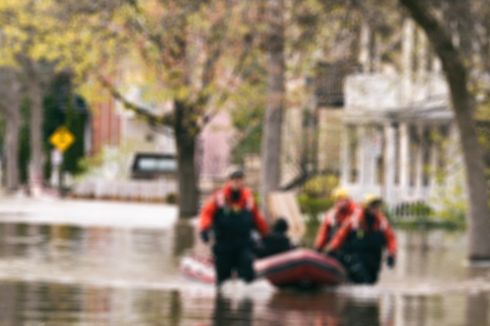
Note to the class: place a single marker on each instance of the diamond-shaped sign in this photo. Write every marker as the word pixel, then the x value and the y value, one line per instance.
pixel 62 139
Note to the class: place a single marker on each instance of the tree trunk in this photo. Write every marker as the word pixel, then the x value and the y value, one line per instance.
pixel 36 176
pixel 463 106
pixel 10 108
pixel 271 139
pixel 186 132
pixel 12 149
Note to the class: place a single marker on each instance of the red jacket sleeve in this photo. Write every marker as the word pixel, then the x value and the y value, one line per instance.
pixel 340 237
pixel 390 240
pixel 322 235
pixel 207 214
pixel 259 221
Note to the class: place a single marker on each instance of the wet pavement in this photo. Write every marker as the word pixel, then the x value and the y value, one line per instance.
pixel 59 274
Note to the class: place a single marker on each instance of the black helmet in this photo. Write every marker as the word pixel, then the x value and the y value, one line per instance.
pixel 280 226
pixel 236 174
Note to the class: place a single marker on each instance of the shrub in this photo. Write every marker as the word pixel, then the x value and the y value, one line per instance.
pixel 171 198
pixel 315 196
pixel 313 206
pixel 320 186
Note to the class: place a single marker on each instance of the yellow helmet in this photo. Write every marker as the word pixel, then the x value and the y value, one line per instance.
pixel 370 199
pixel 340 193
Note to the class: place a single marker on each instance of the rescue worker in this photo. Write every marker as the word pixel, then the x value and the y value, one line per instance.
pixel 276 241
pixel 362 240
pixel 335 217
pixel 231 214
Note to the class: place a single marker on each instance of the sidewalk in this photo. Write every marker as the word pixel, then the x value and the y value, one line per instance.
pixel 87 213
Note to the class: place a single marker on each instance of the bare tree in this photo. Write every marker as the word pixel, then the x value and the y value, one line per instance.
pixel 463 104
pixel 197 66
pixel 271 141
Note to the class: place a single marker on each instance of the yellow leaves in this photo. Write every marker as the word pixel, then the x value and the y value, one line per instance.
pixel 197 22
pixel 23 30
pixel 11 4
pixel 42 31
pixel 181 92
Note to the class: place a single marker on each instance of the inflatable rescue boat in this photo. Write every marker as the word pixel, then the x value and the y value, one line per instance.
pixel 297 268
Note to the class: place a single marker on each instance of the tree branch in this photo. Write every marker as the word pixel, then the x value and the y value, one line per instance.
pixel 237 70
pixel 153 38
pixel 441 41
pixel 140 111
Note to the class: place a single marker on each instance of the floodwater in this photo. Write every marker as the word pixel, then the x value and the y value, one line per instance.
pixel 65 275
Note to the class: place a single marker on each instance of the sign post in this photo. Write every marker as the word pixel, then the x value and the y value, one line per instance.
pixel 61 139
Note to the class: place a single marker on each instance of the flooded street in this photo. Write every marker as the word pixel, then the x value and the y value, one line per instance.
pixel 60 274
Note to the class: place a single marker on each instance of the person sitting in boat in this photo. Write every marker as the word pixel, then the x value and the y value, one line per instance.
pixel 232 214
pixel 276 241
pixel 335 217
pixel 363 239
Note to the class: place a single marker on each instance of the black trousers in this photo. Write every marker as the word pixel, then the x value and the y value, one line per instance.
pixel 362 268
pixel 229 259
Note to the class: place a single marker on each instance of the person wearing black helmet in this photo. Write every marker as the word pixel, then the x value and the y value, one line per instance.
pixel 231 214
pixel 275 242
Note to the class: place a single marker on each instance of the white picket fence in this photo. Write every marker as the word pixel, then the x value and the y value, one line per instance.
pixel 131 190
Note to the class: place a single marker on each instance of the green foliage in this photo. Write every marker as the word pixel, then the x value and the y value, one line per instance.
pixel 249 102
pixel 89 163
pixel 420 209
pixel 315 197
pixel 320 186
pixel 450 204
pixel 248 123
pixel 311 228
pixel 453 206
pixel 63 108
pixel 171 198
pixel 312 206
pixel 54 117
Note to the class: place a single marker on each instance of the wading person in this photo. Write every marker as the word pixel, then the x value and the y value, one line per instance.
pixel 335 217
pixel 362 240
pixel 232 214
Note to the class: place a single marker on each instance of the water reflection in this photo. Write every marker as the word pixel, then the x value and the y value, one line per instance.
pixel 477 309
pixel 97 252
pixel 185 234
pixel 32 303
pixel 64 275
pixel 323 309
pixel 224 312
pixel 428 257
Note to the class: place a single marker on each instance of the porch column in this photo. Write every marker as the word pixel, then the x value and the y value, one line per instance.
pixel 373 155
pixel 361 154
pixel 419 162
pixel 404 158
pixel 453 158
pixel 389 163
pixel 434 163
pixel 345 158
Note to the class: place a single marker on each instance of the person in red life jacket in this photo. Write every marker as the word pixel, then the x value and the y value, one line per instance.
pixel 335 217
pixel 362 241
pixel 231 214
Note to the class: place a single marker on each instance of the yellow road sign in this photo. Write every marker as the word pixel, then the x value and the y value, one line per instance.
pixel 62 139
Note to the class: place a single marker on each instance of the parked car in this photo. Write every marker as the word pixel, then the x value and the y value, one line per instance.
pixel 152 166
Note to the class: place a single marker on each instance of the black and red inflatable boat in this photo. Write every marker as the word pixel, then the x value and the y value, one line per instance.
pixel 299 267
